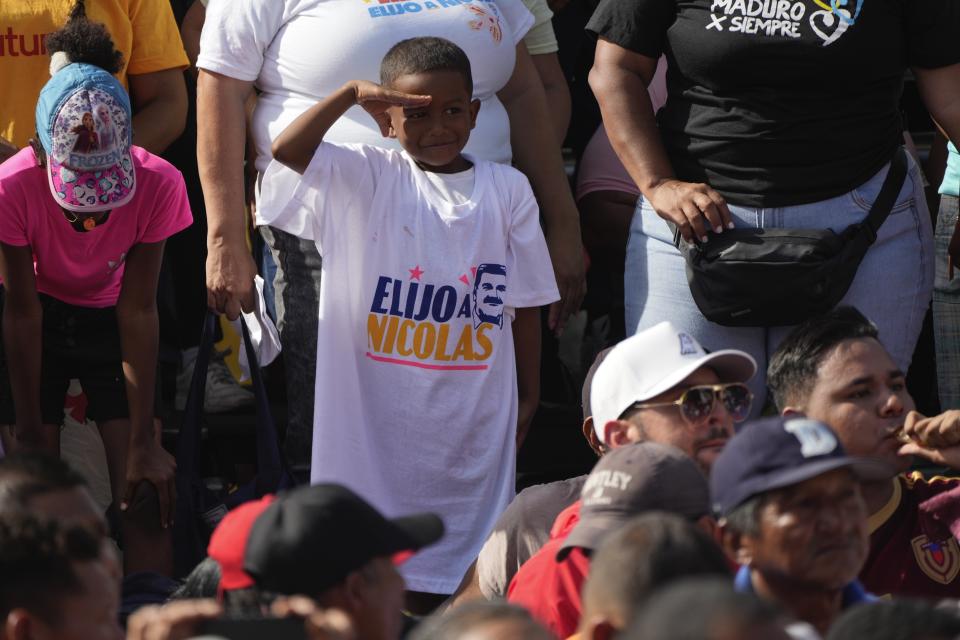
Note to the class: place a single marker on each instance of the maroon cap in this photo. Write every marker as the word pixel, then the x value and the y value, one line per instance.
pixel 631 480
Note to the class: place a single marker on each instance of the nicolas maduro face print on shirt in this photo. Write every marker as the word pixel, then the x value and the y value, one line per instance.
pixel 436 325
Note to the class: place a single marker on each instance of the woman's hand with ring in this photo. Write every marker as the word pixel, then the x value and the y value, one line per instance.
pixel 694 207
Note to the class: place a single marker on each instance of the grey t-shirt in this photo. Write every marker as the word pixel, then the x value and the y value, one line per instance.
pixel 522 529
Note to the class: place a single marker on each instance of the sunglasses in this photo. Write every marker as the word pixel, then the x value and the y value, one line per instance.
pixel 696 403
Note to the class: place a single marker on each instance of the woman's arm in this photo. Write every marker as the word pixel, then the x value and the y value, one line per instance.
pixel 139 340
pixel 619 80
pixel 221 140
pixel 159 101
pixel 22 331
pixel 190 30
pixel 940 90
pixel 537 154
pixel 556 91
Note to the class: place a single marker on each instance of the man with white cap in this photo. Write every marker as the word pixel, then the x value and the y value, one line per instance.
pixel 659 385
pixel 662 386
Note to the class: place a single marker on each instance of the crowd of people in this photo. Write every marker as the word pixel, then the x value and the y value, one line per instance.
pixel 405 193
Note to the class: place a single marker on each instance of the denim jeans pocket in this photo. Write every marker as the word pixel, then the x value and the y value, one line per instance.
pixel 647 222
pixel 864 195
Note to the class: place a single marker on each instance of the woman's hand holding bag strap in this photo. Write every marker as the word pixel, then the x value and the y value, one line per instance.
pixel 776 277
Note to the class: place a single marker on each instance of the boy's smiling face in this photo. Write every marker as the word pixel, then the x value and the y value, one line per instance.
pixel 435 134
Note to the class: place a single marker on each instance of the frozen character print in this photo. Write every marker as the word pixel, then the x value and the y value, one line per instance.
pixel 87 139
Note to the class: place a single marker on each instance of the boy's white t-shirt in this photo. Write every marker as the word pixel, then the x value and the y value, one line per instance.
pixel 454 187
pixel 416 391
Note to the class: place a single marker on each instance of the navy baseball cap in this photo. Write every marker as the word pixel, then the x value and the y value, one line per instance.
pixel 779 452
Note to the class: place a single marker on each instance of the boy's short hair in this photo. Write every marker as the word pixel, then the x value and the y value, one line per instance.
pixel 37 565
pixel 25 475
pixel 793 368
pixel 420 55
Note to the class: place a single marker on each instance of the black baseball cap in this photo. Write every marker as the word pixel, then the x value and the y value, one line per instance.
pixel 311 538
pixel 778 452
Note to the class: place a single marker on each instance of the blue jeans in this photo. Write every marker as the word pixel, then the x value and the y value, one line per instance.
pixel 892 287
pixel 946 308
pixel 297 296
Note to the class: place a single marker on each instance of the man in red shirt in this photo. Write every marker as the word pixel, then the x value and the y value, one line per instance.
pixel 626 482
pixel 834 369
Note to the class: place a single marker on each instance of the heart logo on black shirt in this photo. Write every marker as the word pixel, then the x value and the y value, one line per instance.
pixel 828 26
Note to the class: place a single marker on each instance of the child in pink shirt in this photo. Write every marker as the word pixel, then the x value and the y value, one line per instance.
pixel 83 219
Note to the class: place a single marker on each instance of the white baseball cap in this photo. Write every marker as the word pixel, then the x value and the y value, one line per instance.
pixel 647 364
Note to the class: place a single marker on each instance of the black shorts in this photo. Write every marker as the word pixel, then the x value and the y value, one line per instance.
pixel 78 342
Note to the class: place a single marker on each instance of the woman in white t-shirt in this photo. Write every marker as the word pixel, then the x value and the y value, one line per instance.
pixel 296 52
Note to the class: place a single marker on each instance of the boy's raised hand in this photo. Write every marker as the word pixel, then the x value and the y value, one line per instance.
pixel 376 99
pixel 296 145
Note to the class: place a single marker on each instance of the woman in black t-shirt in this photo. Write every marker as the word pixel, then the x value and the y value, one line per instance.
pixel 780 113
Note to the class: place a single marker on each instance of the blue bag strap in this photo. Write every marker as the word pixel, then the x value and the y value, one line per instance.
pixel 189 543
pixel 272 472
pixel 188 442
pixel 270 465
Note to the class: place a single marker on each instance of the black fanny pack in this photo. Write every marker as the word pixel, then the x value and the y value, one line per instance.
pixel 775 277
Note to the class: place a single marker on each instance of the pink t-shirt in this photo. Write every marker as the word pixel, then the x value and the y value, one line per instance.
pixel 86 268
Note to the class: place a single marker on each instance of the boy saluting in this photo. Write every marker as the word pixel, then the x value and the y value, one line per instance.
pixel 434 265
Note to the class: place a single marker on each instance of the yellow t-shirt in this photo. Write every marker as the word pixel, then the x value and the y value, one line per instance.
pixel 143 30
